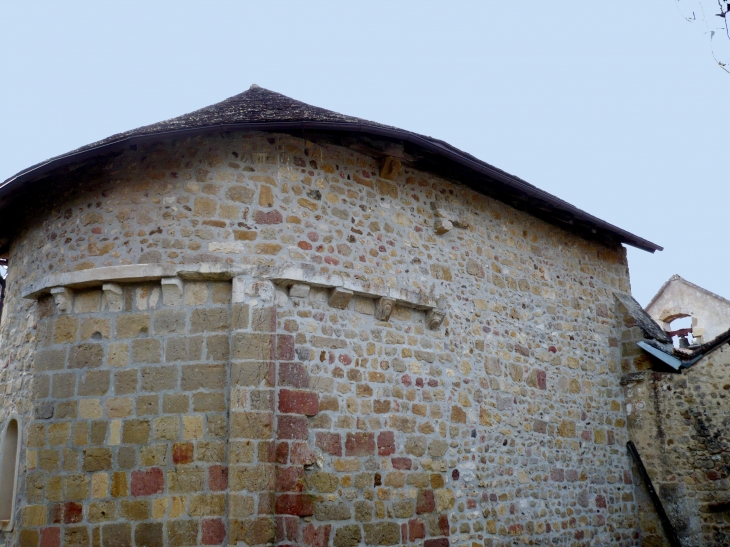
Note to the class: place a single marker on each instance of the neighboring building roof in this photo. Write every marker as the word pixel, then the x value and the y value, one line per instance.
pixel 686 357
pixel 642 318
pixel 261 109
pixel 680 279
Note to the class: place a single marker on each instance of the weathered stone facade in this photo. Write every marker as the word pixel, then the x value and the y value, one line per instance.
pixel 678 422
pixel 309 362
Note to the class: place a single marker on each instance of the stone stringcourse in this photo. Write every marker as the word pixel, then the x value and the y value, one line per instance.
pixel 297 280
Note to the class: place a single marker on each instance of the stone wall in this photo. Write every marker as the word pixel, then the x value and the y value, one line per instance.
pixel 679 423
pixel 331 423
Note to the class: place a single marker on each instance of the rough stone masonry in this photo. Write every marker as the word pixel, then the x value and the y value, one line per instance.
pixel 254 338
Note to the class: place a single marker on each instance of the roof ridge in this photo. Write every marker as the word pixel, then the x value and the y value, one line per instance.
pixel 679 278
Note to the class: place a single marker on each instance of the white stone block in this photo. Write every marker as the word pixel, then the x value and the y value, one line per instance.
pixel 114 296
pixel 172 291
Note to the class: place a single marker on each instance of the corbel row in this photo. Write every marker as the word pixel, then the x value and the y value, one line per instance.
pixel 299 282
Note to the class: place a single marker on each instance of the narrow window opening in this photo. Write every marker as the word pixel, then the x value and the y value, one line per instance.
pixel 8 473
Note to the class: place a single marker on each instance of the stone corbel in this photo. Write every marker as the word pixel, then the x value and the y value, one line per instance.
pixel 340 298
pixel 172 290
pixel 446 219
pixel 64 299
pixel 435 318
pixel 383 308
pixel 114 296
pixel 299 290
pixel 390 168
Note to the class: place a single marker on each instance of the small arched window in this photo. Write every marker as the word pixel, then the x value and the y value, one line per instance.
pixel 10 453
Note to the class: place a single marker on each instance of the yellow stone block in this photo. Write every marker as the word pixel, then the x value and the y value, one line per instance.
pixel 115 432
pixel 99 485
pixel 159 507
pixel 90 409
pixel 192 427
pixel 34 515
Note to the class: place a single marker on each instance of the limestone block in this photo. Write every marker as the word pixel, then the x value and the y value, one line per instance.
pixel 172 291
pixel 340 298
pixel 299 290
pixel 238 289
pixel 64 298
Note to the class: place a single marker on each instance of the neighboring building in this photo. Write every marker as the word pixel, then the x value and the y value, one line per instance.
pixel 677 402
pixel 268 323
pixel 679 298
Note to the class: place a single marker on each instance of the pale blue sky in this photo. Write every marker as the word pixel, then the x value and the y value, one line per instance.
pixel 616 107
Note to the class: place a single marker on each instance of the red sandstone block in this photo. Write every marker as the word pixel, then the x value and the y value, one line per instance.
pixel 439 542
pixel 330 443
pixel 72 512
pixel 416 529
pixel 557 474
pixel 627 477
pixel 471 503
pixel 285 347
pixel 360 444
pixel 268 217
pixel 419 382
pixel 282 453
pixel 600 501
pixel 289 479
pixel 214 531
pixel 298 402
pixel 401 463
pixel 301 505
pixel 386 443
pixel 425 502
pixel 51 537
pixel 444 524
pixel 317 536
pixel 148 482
pixel 287 528
pixel 182 453
pixel 541 379
pixel 292 427
pixel 293 375
pixel 301 454
pixel 218 478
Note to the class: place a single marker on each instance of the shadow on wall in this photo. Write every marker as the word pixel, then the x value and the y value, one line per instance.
pixel 3 275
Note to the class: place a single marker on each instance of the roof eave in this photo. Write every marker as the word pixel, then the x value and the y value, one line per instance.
pixel 8 187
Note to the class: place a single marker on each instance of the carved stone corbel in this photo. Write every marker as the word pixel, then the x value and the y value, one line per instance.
pixel 383 308
pixel 435 318
pixel 64 299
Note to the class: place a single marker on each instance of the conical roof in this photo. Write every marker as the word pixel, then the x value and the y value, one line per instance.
pixel 261 109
